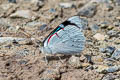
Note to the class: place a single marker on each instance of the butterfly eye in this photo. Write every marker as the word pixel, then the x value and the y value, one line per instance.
pixel 41 44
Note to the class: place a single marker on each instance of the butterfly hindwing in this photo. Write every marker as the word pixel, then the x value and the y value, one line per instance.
pixel 70 40
pixel 67 38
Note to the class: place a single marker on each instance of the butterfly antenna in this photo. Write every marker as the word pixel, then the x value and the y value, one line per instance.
pixel 61 13
pixel 46 60
pixel 28 36
pixel 35 50
pixel 25 33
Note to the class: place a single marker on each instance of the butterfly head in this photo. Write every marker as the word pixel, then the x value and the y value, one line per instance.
pixel 41 46
pixel 44 49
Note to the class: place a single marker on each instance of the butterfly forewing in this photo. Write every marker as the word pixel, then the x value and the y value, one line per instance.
pixel 70 41
pixel 80 22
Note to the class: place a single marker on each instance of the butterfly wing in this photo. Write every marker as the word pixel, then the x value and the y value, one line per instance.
pixel 80 22
pixel 69 41
pixel 66 38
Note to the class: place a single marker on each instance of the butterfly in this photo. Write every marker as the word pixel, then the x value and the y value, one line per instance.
pixel 67 38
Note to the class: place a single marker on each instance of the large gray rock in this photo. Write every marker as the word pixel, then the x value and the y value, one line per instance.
pixel 88 10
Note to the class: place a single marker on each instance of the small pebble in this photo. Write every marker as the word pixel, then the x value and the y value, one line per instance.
pixel 110 27
pixel 43 27
pixel 88 11
pixel 117 42
pixel 102 50
pixel 112 33
pixel 109 7
pixel 107 69
pixel 23 62
pixel 97 59
pixel 38 3
pixel 23 52
pixel 52 10
pixel 118 18
pixel 95 28
pixel 109 76
pixel 12 1
pixel 66 5
pixel 110 49
pixel 50 74
pixel 100 68
pixel 117 23
pixel 113 69
pixel 104 24
pixel 116 54
pixel 75 62
pixel 99 36
pixel 89 60
pixel 85 64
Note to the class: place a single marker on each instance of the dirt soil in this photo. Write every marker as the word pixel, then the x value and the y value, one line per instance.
pixel 23 60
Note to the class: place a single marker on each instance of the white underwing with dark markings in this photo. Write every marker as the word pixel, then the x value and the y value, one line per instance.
pixel 67 38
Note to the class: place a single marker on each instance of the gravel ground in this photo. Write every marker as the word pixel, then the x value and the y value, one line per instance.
pixel 24 23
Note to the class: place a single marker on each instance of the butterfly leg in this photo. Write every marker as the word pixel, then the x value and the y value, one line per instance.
pixel 60 59
pixel 46 60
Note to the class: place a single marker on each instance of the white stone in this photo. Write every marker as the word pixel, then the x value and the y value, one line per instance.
pixel 66 5
pixel 75 62
pixel 23 14
pixel 99 36
pixel 10 39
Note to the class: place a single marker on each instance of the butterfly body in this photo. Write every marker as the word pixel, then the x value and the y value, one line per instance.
pixel 67 38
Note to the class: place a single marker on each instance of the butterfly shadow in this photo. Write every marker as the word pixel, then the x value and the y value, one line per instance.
pixel 57 57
